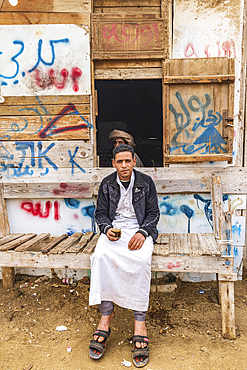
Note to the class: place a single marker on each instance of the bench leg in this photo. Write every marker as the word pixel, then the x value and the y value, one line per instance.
pixel 226 294
pixel 8 274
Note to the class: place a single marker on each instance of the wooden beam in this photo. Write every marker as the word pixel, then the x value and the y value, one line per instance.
pixel 228 310
pixel 217 204
pixel 199 79
pixel 197 158
pixel 54 243
pixel 14 18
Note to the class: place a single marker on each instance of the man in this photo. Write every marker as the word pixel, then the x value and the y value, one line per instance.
pixel 121 137
pixel 121 267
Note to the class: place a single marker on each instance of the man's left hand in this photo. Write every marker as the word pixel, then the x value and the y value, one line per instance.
pixel 136 242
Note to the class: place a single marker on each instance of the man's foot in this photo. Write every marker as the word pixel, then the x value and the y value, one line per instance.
pixel 104 325
pixel 140 329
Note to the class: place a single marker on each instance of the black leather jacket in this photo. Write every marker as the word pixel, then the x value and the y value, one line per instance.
pixel 144 200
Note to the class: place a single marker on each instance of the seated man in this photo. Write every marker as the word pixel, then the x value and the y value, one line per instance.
pixel 121 137
pixel 121 267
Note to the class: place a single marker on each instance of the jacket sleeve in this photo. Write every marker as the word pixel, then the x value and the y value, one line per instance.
pixel 152 213
pixel 102 210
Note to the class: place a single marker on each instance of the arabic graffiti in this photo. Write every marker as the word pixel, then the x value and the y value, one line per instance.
pixel 221 49
pixel 196 135
pixel 32 156
pixel 45 81
pixel 37 209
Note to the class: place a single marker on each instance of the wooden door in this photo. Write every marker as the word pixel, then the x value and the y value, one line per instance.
pixel 198 102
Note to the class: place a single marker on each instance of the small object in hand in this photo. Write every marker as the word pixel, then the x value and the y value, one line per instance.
pixel 117 233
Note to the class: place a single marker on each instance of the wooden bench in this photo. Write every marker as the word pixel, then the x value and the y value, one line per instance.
pixel 200 253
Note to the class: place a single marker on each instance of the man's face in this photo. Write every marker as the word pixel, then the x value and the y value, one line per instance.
pixel 124 164
pixel 118 141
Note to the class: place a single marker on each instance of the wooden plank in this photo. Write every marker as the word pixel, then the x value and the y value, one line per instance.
pixel 27 6
pixel 126 64
pixel 185 246
pixel 198 79
pixel 4 221
pixel 225 233
pixel 48 190
pixel 9 238
pixel 121 3
pixel 65 244
pixel 198 158
pixel 15 243
pixel 202 264
pixel 10 110
pixel 82 243
pixel 54 243
pixel 130 73
pixel 72 6
pixel 66 127
pixel 25 246
pixel 147 11
pixel 227 309
pixel 14 18
pixel 166 112
pixel 193 240
pixel 217 204
pixel 59 153
pixel 46 100
pixel 91 245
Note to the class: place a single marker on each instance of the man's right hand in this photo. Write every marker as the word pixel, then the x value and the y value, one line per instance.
pixel 111 236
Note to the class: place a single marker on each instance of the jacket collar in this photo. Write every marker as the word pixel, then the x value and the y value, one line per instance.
pixel 138 180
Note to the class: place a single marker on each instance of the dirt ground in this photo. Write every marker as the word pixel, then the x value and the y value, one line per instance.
pixel 184 328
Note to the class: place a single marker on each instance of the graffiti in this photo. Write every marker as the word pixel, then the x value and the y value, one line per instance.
pixel 220 49
pixel 36 156
pixel 171 265
pixel 143 34
pixel 236 228
pixel 53 130
pixel 210 140
pixel 71 190
pixel 87 211
pixel 188 212
pixel 31 60
pixel 37 209
pixel 208 206
pixel 51 79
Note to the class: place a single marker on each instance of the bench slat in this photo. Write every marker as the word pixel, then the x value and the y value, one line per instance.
pixel 25 246
pixel 91 245
pixel 9 238
pixel 82 243
pixel 15 243
pixel 53 243
pixel 68 242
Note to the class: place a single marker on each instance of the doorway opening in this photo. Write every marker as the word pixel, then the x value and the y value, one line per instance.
pixel 134 106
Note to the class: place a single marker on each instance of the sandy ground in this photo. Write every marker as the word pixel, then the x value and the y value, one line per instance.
pixel 184 328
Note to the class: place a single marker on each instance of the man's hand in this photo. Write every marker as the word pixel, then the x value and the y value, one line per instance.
pixel 111 236
pixel 136 242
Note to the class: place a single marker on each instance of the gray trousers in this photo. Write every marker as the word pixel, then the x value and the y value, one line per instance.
pixel 106 308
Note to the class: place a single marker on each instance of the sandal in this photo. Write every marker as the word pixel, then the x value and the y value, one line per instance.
pixel 140 355
pixel 97 349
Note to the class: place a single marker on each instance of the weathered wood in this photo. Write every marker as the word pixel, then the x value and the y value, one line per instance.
pixel 8 275
pixel 15 243
pixel 132 74
pixel 198 79
pixel 46 100
pixel 65 127
pixel 118 3
pixel 25 246
pixel 54 243
pixel 9 238
pixel 72 6
pixel 48 190
pixel 58 152
pixel 217 204
pixel 13 18
pixel 10 110
pixel 198 158
pixel 91 245
pixel 225 233
pixel 82 243
pixel 227 309
pixel 65 244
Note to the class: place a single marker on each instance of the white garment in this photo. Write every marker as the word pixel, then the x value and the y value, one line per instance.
pixel 118 274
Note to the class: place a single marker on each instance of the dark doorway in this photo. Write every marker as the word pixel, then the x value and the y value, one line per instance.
pixel 134 106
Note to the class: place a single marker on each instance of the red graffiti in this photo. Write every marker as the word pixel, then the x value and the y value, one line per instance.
pixel 72 191
pixel 190 51
pixel 171 265
pixel 145 32
pixel 36 209
pixel 52 79
pixel 206 51
pixel 51 129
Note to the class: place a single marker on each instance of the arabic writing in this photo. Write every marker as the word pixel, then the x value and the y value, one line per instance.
pixel 207 141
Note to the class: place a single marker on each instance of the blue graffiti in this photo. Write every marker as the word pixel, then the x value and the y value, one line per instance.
pixel 13 59
pixel 167 208
pixel 72 161
pixel 208 207
pixel 236 228
pixel 40 59
pixel 210 141
pixel 188 212
pixel 87 211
